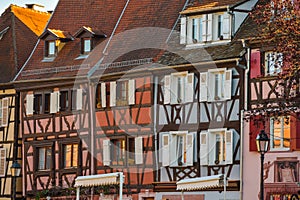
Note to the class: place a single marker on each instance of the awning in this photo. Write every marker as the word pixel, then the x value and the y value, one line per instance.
pixel 99 179
pixel 201 183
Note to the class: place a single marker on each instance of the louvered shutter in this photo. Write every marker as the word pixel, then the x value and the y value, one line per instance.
pixel 165 150
pixel 204 28
pixel 174 89
pixel 189 88
pixel 131 92
pixel 203 86
pixel 2 161
pixel 79 97
pixel 227 84
pixel 54 102
pixel 1 111
pixel 29 104
pixel 190 149
pixel 209 27
pixel 183 30
pixel 204 148
pixel 167 89
pixel 113 93
pixel 229 147
pixel 103 95
pixel 139 150
pixel 106 152
pixel 5 111
pixel 226 26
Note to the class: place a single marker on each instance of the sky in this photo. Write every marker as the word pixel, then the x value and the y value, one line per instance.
pixel 49 4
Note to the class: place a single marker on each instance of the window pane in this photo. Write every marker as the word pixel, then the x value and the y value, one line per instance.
pixel 47 103
pixel 37 104
pixel 87 45
pixel 75 155
pixel 118 151
pixel 64 100
pixel 51 49
pixel 220 26
pixel 41 155
pixel 98 96
pixel 67 155
pixel 280 135
pixel 74 95
pixel 48 157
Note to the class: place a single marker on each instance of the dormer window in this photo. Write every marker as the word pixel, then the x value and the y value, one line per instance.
pixel 51 48
pixel 86 45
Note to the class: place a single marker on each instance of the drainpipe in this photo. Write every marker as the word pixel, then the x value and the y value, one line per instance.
pixel 154 126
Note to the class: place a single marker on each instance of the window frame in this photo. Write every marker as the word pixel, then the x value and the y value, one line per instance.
pixel 47 163
pixel 85 51
pixel 64 101
pixel 74 156
pixel 50 46
pixel 278 61
pixel 282 132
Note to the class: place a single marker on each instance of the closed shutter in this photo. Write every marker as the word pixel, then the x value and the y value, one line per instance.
pixel 183 30
pixel 29 104
pixel 190 149
pixel 165 150
pixel 227 84
pixel 209 27
pixel 79 99
pixel 255 70
pixel 54 102
pixel 5 111
pixel 113 93
pixel 226 26
pixel 106 152
pixel 103 95
pixel 204 148
pixel 229 147
pixel 204 28
pixel 131 92
pixel 203 86
pixel 189 88
pixel 139 150
pixel 167 89
pixel 2 161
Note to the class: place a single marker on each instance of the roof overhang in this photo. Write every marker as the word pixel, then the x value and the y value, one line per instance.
pixel 201 183
pixel 96 180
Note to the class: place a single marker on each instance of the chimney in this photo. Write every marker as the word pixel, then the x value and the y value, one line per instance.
pixel 37 7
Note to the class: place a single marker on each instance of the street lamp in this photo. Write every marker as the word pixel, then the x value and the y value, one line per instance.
pixel 262 143
pixel 15 172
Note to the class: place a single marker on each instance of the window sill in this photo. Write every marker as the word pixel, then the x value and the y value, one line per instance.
pixel 278 150
pixel 82 56
pixel 206 44
pixel 48 59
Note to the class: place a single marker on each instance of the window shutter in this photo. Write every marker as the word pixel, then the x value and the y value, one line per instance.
pixel 113 93
pixel 227 84
pixel 106 152
pixel 183 30
pixel 139 150
pixel 204 28
pixel 103 95
pixel 54 102
pixel 229 147
pixel 79 99
pixel 131 92
pixel 29 104
pixel 5 111
pixel 165 150
pixel 189 88
pixel 295 132
pixel 190 149
pixel 203 86
pixel 174 89
pixel 226 26
pixel 209 27
pixel 2 161
pixel 255 70
pixel 204 148
pixel 167 89
pixel 1 111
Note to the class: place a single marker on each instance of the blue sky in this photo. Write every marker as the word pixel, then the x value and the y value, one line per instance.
pixel 49 4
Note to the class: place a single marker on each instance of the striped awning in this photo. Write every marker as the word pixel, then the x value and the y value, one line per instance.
pixel 201 183
pixel 99 179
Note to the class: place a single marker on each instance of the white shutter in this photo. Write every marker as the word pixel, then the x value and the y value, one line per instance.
pixel 189 88
pixel 5 111
pixel 229 147
pixel 2 161
pixel 174 89
pixel 227 84
pixel 226 26
pixel 106 152
pixel 139 150
pixel 54 102
pixel 203 86
pixel 183 30
pixel 204 28
pixel 29 104
pixel 165 150
pixel 103 95
pixel 79 99
pixel 113 93
pixel 190 149
pixel 204 148
pixel 209 27
pixel 167 89
pixel 131 92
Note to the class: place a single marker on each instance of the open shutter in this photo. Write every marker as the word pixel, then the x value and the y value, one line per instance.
pixel 295 132
pixel 229 147
pixel 54 102
pixel 204 28
pixel 2 161
pixel 103 95
pixel 189 88
pixel 131 92
pixel 226 26
pixel 227 84
pixel 139 150
pixel 29 104
pixel 5 111
pixel 174 89
pixel 204 148
pixel 190 149
pixel 79 99
pixel 183 30
pixel 167 89
pixel 257 123
pixel 255 70
pixel 203 86
pixel 209 27
pixel 113 93
pixel 165 150
pixel 106 152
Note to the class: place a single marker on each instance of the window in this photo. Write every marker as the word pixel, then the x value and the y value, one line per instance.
pixel 273 63
pixel 64 100
pixel 101 95
pixel 50 48
pixel 122 93
pixel 86 45
pixel 197 29
pixel 44 158
pixel 47 103
pixel 38 104
pixel 70 155
pixel 216 147
pixel 280 133
pixel 118 151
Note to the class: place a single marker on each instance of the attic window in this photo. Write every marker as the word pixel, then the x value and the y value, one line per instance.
pixel 50 48
pixel 86 44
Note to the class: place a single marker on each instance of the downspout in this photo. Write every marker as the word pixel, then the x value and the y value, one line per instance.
pixel 154 126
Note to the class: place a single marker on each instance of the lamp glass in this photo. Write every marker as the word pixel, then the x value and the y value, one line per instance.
pixel 15 169
pixel 262 142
